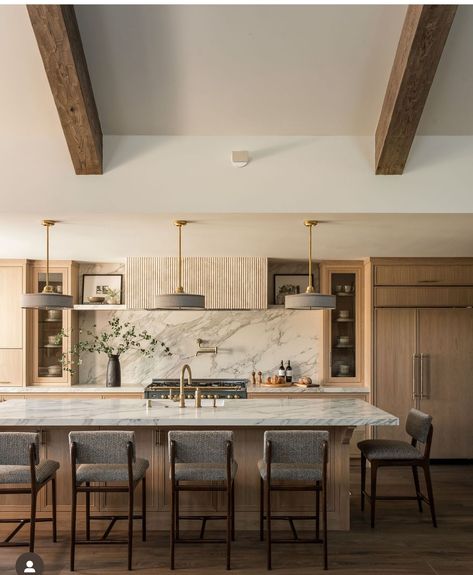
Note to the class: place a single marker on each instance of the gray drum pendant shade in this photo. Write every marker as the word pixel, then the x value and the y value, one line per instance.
pixel 179 299
pixel 310 299
pixel 47 299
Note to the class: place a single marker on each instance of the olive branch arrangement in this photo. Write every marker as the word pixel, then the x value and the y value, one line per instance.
pixel 117 340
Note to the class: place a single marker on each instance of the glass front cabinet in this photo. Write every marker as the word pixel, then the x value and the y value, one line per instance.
pixel 343 335
pixel 47 344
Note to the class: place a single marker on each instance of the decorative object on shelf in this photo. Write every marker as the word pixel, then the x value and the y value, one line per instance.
pixel 343 370
pixel 101 288
pixel 120 338
pixel 48 298
pixel 180 299
pixel 306 382
pixel 288 284
pixel 310 299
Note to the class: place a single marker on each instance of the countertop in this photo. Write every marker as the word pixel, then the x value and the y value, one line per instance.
pixel 163 413
pixel 127 388
pixel 297 389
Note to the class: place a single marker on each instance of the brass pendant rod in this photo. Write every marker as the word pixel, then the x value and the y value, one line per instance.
pixel 310 256
pixel 180 258
pixel 47 224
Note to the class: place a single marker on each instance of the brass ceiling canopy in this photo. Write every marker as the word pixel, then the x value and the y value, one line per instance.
pixel 180 299
pixel 310 299
pixel 48 298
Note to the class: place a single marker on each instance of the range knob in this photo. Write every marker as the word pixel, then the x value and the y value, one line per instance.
pixel 236 397
pixel 203 396
pixel 189 396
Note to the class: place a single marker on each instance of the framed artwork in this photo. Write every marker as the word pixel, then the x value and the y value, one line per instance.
pixel 289 284
pixel 108 286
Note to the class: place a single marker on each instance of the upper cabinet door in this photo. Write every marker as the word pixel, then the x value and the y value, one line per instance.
pixel 424 274
pixel 446 390
pixel 11 314
pixel 227 283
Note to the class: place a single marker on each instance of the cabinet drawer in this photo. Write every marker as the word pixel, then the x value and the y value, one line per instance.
pixel 423 296
pixel 407 275
pixel 11 367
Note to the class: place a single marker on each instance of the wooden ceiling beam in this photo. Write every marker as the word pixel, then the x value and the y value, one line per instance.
pixel 60 45
pixel 420 47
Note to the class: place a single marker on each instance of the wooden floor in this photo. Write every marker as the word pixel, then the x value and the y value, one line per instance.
pixel 403 542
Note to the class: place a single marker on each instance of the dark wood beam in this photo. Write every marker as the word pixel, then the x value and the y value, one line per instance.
pixel 60 45
pixel 423 38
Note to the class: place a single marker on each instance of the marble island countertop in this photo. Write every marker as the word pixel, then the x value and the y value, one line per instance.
pixel 163 413
pixel 83 388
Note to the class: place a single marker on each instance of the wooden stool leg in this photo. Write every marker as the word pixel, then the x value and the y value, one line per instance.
pixel 33 518
pixel 87 512
pixel 173 523
pixel 363 481
pixel 261 509
pixel 54 503
pixel 229 522
pixel 73 527
pixel 130 526
pixel 177 513
pixel 430 493
pixel 233 510
pixel 317 510
pixel 268 529
pixel 374 469
pixel 415 473
pixel 324 487
pixel 143 508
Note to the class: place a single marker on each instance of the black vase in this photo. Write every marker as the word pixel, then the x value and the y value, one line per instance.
pixel 114 376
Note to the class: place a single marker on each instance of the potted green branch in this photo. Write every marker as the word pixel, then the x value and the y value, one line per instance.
pixel 114 342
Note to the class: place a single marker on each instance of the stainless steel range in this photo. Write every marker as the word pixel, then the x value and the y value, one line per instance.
pixel 209 388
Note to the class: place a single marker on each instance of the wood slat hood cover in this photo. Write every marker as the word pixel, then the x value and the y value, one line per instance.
pixel 226 282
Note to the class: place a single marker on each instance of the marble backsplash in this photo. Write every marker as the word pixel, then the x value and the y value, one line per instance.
pixel 246 340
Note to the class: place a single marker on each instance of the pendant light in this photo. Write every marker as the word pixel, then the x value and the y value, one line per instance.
pixel 47 299
pixel 179 299
pixel 310 299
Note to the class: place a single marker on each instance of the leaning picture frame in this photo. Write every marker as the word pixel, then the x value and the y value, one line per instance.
pixel 106 286
pixel 289 284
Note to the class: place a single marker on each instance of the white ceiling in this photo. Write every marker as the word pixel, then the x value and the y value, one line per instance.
pixel 223 70
pixel 275 70
pixel 102 237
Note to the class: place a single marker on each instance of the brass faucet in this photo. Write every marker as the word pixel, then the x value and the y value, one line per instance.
pixel 182 397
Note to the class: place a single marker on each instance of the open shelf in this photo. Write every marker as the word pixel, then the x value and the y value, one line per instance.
pixel 98 307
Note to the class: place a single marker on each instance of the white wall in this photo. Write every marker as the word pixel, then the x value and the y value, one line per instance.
pixel 194 174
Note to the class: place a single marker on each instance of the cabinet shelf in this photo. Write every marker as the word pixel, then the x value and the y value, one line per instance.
pixel 98 307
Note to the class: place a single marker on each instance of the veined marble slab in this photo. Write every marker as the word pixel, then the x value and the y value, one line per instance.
pixel 297 389
pixel 164 413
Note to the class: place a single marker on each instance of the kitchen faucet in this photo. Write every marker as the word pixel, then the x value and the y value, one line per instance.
pixel 182 397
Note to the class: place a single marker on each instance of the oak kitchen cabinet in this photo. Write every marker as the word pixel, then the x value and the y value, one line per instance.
pixel 423 351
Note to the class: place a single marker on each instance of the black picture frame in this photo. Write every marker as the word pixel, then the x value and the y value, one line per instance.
pixel 302 285
pixel 84 297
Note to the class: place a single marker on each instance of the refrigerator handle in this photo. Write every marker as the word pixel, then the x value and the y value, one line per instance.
pixel 414 376
pixel 422 372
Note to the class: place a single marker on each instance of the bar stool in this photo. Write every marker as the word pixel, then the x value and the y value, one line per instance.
pixel 294 461
pixel 393 453
pixel 202 461
pixel 20 464
pixel 106 457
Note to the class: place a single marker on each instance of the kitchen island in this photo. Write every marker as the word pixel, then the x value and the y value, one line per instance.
pixel 247 418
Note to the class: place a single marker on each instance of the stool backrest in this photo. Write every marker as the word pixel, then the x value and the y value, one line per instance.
pixel 302 447
pixel 15 447
pixel 418 425
pixel 109 447
pixel 200 446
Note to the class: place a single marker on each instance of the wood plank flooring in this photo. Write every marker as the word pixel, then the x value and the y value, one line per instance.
pixel 403 542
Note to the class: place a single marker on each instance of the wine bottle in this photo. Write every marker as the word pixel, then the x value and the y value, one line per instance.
pixel 282 371
pixel 289 372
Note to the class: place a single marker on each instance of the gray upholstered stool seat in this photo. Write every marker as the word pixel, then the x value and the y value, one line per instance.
pixel 22 473
pixel 202 461
pixel 289 472
pixel 388 449
pixel 395 453
pixel 203 471
pixel 99 460
pixel 102 472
